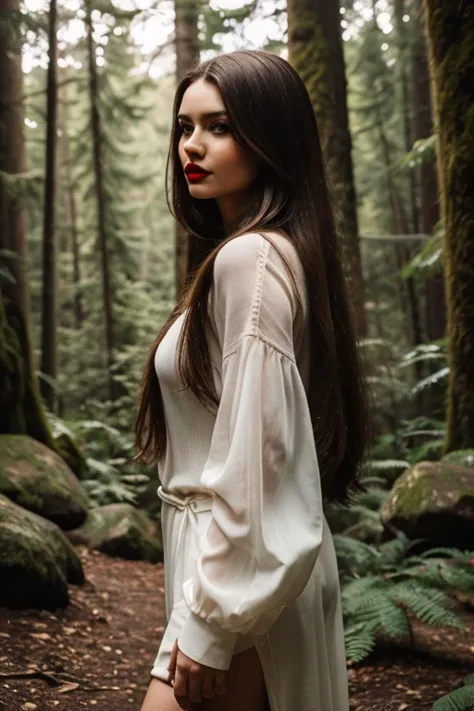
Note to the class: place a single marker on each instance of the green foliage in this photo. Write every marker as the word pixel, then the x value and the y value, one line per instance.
pixel 461 699
pixel 382 586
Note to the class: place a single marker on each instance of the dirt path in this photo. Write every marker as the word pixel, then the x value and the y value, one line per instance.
pixel 99 651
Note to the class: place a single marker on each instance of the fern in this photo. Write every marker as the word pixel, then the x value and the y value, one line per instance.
pixel 461 699
pixel 360 641
pixel 430 606
pixel 431 380
pixel 382 586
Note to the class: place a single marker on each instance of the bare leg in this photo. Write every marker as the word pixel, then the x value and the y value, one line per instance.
pixel 245 689
pixel 160 697
pixel 245 686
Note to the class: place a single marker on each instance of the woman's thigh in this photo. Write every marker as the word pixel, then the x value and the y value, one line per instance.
pixel 245 689
pixel 160 697
pixel 245 686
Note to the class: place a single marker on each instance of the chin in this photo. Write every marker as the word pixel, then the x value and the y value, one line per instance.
pixel 201 192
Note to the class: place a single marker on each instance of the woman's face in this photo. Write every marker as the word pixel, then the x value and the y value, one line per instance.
pixel 214 164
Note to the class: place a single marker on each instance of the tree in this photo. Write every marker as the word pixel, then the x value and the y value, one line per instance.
pixel 48 340
pixel 435 308
pixel 97 147
pixel 450 28
pixel 187 57
pixel 316 51
pixel 21 410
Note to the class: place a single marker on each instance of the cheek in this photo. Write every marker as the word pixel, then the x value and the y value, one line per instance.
pixel 243 168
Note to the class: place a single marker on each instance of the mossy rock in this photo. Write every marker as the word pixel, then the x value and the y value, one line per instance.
pixel 38 479
pixel 36 560
pixel 461 457
pixel 71 454
pixel 435 501
pixel 121 531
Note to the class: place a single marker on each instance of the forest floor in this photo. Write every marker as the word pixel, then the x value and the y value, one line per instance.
pixel 99 651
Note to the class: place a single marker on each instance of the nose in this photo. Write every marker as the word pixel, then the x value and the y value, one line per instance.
pixel 193 145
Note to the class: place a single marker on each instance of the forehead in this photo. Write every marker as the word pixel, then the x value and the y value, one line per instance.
pixel 200 98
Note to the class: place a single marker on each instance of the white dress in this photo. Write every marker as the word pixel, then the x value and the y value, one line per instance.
pixel 249 557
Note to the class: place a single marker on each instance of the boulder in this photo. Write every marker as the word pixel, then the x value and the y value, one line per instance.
pixel 38 479
pixel 36 560
pixel 122 531
pixel 435 501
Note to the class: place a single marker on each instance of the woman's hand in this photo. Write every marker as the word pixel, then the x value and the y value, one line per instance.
pixel 193 681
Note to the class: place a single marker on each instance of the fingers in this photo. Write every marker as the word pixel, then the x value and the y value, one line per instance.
pixel 208 687
pixel 195 680
pixel 173 657
pixel 219 683
pixel 180 687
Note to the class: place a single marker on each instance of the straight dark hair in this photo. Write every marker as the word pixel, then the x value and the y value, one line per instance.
pixel 271 117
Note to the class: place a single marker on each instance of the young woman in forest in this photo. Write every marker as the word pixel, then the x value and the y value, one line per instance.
pixel 252 403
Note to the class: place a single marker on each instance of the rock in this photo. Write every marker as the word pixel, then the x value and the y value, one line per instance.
pixel 36 560
pixel 72 455
pixel 38 479
pixel 461 457
pixel 122 531
pixel 433 500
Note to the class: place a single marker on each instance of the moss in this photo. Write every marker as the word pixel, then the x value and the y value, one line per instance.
pixel 35 552
pixel 120 530
pixel 412 492
pixel 38 479
pixel 72 455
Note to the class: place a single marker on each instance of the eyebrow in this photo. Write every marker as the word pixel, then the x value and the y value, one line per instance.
pixel 208 115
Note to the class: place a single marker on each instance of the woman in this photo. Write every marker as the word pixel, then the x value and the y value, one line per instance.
pixel 252 402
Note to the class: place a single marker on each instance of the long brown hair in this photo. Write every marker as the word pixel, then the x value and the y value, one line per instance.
pixel 271 116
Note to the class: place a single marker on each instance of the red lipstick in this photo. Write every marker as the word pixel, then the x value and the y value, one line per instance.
pixel 195 173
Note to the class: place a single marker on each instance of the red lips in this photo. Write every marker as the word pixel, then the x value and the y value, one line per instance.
pixel 194 172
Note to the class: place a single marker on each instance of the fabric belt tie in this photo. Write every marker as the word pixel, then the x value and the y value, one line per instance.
pixel 191 505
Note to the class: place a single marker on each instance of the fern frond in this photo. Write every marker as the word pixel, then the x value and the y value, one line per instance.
pixel 461 699
pixel 430 606
pixel 360 641
pixel 392 552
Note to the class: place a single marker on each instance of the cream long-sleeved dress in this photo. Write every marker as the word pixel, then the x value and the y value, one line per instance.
pixel 249 558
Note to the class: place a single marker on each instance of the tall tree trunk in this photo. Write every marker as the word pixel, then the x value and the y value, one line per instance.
pixel 316 51
pixel 450 27
pixel 97 143
pixel 71 211
pixel 435 305
pixel 21 410
pixel 48 332
pixel 399 224
pixel 187 57
pixel 403 42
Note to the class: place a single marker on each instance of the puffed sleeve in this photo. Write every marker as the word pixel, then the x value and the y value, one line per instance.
pixel 266 526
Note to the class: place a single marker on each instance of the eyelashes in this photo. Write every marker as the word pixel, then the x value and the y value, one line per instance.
pixel 219 128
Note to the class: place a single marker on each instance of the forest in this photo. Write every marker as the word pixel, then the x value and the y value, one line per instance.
pixel 92 263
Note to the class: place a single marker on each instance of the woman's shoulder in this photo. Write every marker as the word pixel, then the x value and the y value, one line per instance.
pixel 252 249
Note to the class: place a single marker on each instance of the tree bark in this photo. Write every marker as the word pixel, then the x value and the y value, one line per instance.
pixel 187 58
pixel 97 146
pixel 71 210
pixel 316 51
pixel 21 410
pixel 450 27
pixel 435 304
pixel 49 316
pixel 403 42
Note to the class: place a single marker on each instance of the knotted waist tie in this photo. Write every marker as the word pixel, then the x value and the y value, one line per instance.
pixel 191 505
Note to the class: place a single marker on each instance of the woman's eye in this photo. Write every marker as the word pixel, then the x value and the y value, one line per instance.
pixel 186 130
pixel 220 127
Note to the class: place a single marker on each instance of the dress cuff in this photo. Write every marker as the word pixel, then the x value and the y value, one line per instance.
pixel 206 643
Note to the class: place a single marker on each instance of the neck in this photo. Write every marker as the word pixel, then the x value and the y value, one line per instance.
pixel 232 207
